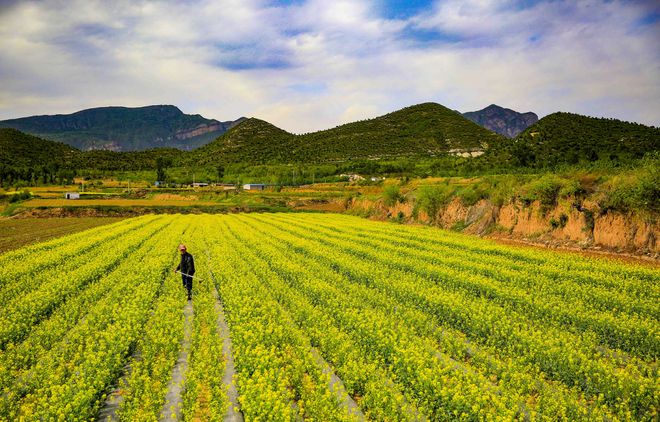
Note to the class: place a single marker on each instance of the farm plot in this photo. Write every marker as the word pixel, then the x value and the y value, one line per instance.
pixel 321 317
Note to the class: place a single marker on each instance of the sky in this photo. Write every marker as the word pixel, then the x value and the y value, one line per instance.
pixel 307 65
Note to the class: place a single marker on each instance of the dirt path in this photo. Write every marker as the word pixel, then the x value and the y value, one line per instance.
pixel 233 413
pixel 116 397
pixel 173 403
pixel 337 385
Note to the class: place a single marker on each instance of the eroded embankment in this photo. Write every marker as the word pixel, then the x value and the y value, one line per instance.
pixel 569 224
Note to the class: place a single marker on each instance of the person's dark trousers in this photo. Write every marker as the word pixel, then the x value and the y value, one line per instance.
pixel 187 283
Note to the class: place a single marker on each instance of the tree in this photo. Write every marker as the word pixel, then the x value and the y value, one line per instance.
pixel 161 165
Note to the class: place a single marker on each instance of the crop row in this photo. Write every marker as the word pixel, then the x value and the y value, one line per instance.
pixel 628 332
pixel 67 378
pixel 577 361
pixel 418 323
pixel 278 377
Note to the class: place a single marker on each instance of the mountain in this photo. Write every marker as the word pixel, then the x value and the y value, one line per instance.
pixel 22 151
pixel 251 141
pixel 502 120
pixel 572 138
pixel 422 130
pixel 124 128
pixel 18 149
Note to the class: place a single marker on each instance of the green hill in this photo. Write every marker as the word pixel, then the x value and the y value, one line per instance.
pixel 252 141
pixel 18 149
pixel 425 130
pixel 566 138
pixel 124 128
pixel 418 131
pixel 21 150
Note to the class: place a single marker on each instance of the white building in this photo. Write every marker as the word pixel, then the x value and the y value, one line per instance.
pixel 254 186
pixel 72 195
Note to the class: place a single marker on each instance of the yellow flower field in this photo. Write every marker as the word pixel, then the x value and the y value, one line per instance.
pixel 329 317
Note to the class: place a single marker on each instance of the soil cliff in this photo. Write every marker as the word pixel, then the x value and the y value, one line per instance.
pixel 582 225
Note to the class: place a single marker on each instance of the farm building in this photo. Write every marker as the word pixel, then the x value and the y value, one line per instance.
pixel 72 195
pixel 200 185
pixel 254 186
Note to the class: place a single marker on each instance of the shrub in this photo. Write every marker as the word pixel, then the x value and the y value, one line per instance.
pixel 391 195
pixel 473 193
pixel 571 188
pixel 431 198
pixel 400 217
pixel 544 190
pixel 561 223
pixel 20 196
pixel 636 190
pixel 503 189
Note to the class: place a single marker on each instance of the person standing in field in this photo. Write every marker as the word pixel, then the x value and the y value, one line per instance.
pixel 187 269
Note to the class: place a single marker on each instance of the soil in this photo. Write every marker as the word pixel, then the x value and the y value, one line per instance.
pixel 566 226
pixel 173 403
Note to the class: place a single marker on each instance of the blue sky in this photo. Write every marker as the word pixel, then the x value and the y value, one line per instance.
pixel 312 64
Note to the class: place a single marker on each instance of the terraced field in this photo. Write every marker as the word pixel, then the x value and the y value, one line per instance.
pixel 321 317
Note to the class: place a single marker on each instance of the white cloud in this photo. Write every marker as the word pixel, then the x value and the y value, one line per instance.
pixel 317 64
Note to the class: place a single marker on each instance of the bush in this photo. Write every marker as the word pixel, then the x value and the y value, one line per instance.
pixel 544 190
pixel 638 191
pixel 20 196
pixel 503 189
pixel 400 217
pixel 473 193
pixel 391 195
pixel 431 198
pixel 561 223
pixel 571 188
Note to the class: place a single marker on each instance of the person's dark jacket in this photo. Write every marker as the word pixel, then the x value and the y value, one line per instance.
pixel 187 264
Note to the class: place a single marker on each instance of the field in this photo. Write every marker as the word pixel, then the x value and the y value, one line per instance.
pixel 114 202
pixel 321 317
pixel 19 232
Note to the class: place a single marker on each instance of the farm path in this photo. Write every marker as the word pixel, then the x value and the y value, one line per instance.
pixel 113 401
pixel 233 412
pixel 173 403
pixel 337 386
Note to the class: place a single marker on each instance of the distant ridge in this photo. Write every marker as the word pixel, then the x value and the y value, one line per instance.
pixel 567 138
pixel 124 128
pixel 502 120
pixel 421 130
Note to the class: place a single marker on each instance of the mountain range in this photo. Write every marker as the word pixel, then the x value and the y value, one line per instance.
pixel 423 131
pixel 427 129
pixel 165 126
pixel 502 120
pixel 124 128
